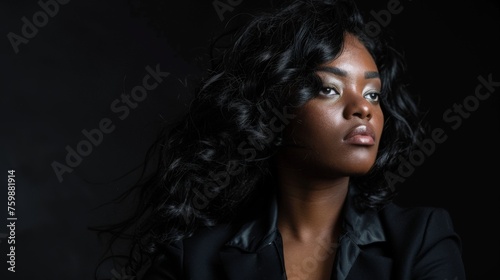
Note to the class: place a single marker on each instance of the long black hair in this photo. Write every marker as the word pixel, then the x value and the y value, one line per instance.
pixel 217 157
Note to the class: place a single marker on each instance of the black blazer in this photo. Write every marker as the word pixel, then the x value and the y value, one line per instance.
pixel 393 243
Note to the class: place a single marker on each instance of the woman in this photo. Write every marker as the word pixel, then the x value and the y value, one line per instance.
pixel 281 168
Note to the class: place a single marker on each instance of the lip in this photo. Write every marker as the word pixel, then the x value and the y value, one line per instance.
pixel 361 135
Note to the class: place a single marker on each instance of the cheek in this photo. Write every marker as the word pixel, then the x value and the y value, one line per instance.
pixel 320 127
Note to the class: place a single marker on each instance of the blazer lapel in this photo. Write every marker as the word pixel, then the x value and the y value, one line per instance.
pixel 355 263
pixel 357 257
pixel 370 266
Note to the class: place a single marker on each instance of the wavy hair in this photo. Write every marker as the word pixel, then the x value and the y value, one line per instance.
pixel 217 157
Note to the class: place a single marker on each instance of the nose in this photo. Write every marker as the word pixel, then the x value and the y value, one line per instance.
pixel 357 106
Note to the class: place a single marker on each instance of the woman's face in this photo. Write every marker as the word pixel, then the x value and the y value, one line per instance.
pixel 338 132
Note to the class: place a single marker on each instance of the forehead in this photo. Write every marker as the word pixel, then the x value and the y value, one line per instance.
pixel 353 56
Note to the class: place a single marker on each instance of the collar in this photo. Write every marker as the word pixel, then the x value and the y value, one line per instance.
pixel 258 233
pixel 360 227
pixel 260 241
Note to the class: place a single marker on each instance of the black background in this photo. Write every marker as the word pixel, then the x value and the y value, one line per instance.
pixel 65 78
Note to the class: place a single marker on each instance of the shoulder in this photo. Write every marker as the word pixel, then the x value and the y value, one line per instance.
pixel 425 239
pixel 416 215
pixel 417 220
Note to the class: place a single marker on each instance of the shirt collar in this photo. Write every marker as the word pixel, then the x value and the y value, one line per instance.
pixel 362 227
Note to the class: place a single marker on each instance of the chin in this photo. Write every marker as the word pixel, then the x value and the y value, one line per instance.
pixel 358 170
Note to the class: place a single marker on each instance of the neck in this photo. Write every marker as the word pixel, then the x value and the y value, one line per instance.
pixel 310 209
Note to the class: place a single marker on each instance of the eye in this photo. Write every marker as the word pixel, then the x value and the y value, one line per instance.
pixel 328 91
pixel 373 96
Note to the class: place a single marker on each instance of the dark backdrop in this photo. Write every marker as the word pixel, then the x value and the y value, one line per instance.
pixel 64 76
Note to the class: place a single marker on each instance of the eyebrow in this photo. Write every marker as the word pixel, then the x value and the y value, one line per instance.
pixel 333 70
pixel 371 75
pixel 340 72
